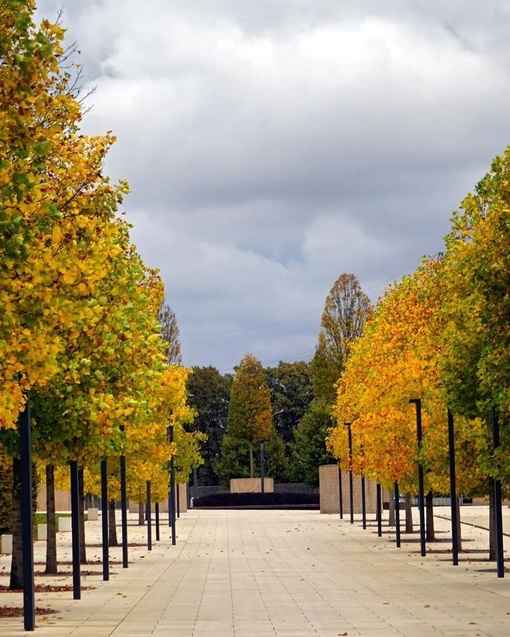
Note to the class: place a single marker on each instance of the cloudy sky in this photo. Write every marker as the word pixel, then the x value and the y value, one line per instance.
pixel 273 144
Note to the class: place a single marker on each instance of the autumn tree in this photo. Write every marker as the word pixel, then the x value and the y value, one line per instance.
pixel 476 262
pixel 79 323
pixel 395 360
pixel 49 175
pixel 477 361
pixel 57 212
pixel 107 378
pixel 346 310
pixel 146 445
pixel 249 411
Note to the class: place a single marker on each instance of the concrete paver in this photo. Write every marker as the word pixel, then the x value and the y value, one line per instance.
pixel 279 574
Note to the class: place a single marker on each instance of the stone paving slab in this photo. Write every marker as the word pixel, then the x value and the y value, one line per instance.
pixel 279 574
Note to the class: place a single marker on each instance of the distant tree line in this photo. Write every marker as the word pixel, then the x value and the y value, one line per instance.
pixel 287 407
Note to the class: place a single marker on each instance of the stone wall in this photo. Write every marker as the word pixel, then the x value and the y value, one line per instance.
pixel 251 485
pixel 329 493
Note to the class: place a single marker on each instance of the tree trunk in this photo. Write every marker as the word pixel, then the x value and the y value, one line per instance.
pixel 251 459
pixel 492 523
pixel 391 517
pixel 141 513
pixel 429 508
pixel 409 515
pixel 81 512
pixel 16 580
pixel 112 525
pixel 51 523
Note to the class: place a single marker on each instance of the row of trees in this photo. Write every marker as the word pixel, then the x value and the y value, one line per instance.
pixel 288 407
pixel 441 334
pixel 82 315
pixel 223 402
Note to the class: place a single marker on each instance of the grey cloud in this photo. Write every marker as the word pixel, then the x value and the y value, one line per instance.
pixel 271 146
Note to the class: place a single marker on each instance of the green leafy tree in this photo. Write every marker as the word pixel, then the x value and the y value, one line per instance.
pixel 209 396
pixel 277 465
pixel 291 390
pixel 309 451
pixel 249 412
pixel 346 310
pixel 232 462
pixel 325 373
pixel 235 451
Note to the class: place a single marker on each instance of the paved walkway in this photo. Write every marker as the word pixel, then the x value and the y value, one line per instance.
pixel 279 574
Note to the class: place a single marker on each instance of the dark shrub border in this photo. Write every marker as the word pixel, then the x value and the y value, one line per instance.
pixel 255 500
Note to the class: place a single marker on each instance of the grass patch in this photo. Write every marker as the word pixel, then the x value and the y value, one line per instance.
pixel 42 518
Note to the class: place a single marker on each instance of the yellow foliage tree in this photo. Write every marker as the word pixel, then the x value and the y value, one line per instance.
pixel 397 359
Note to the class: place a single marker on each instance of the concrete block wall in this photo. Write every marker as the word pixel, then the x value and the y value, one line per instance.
pixel 62 500
pixel 163 506
pixel 329 493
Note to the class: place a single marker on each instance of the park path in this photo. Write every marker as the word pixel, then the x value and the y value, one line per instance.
pixel 284 573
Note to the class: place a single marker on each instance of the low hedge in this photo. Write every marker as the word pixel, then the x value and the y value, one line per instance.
pixel 255 500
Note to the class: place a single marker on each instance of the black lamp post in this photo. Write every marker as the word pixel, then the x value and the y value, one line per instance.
pixel 171 499
pixel 104 519
pixel 363 503
pixel 148 514
pixel 351 493
pixel 497 500
pixel 75 529
pixel 27 545
pixel 396 492
pixel 453 490
pixel 421 497
pixel 262 467
pixel 379 509
pixel 363 497
pixel 123 507
pixel 340 494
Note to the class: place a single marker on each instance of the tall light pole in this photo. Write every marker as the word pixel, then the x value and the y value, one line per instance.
pixel 497 499
pixel 421 496
pixel 123 500
pixel 104 519
pixel 27 526
pixel 340 494
pixel 171 498
pixel 351 495
pixel 453 490
pixel 379 509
